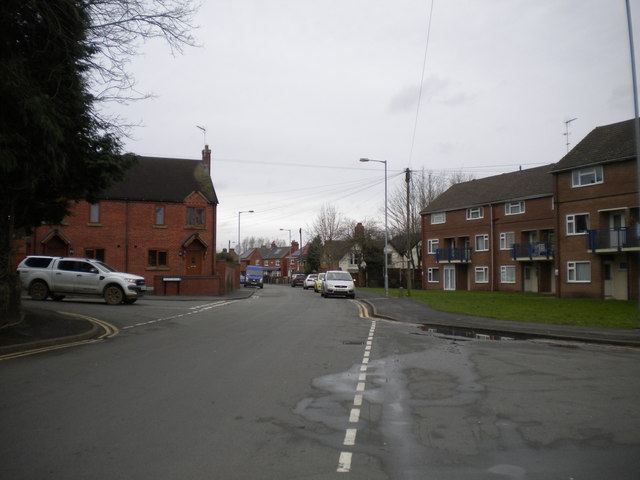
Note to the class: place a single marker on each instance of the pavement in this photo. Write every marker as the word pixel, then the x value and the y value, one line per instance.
pixel 40 328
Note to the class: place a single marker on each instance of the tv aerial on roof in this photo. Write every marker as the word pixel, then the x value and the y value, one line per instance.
pixel 204 132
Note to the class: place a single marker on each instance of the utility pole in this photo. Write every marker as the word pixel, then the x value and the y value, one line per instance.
pixel 407 178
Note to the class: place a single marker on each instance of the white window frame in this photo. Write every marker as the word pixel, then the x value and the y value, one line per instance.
pixel 94 213
pixel 572 271
pixel 438 218
pixel 432 245
pixel 581 177
pixel 505 275
pixel 430 276
pixel 485 243
pixel 474 213
pixel 159 215
pixel 481 274
pixel 503 240
pixel 571 223
pixel 514 208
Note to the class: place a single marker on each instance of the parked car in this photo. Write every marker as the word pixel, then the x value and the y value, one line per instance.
pixel 318 284
pixel 310 281
pixel 56 277
pixel 298 279
pixel 338 282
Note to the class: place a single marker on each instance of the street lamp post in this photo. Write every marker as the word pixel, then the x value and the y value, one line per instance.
pixel 386 229
pixel 238 245
pixel 289 262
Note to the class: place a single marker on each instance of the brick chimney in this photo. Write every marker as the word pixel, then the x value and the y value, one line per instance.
pixel 358 232
pixel 294 246
pixel 206 157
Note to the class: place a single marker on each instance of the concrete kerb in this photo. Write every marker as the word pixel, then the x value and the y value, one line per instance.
pixel 507 332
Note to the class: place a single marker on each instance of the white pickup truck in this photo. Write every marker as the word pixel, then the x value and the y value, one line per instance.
pixel 56 277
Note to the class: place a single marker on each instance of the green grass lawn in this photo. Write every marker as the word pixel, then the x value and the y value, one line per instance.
pixel 530 307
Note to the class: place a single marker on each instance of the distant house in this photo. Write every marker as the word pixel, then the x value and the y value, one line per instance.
pixel 160 220
pixel 274 260
pixel 596 194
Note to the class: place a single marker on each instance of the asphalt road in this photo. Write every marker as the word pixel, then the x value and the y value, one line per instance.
pixel 288 385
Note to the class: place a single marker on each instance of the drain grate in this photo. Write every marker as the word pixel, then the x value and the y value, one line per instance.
pixel 353 342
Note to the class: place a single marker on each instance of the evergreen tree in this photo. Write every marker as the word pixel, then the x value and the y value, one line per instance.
pixel 314 256
pixel 53 147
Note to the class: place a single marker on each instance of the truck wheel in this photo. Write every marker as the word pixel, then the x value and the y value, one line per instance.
pixel 38 290
pixel 113 295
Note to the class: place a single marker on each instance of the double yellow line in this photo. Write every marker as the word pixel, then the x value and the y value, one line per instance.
pixel 108 331
pixel 362 310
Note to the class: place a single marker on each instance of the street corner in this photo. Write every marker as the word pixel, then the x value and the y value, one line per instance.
pixel 41 330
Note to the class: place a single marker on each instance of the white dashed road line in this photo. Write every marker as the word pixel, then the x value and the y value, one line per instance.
pixel 194 310
pixel 344 462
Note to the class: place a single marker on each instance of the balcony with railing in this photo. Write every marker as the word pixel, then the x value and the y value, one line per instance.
pixel 621 239
pixel 532 251
pixel 453 255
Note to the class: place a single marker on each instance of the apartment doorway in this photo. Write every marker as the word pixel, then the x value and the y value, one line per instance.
pixel 615 274
pixel 449 277
pixel 530 273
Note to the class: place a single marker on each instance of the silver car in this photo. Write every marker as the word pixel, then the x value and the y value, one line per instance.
pixel 338 282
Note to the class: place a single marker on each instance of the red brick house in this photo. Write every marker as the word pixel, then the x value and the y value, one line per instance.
pixel 596 193
pixel 275 260
pixel 160 220
pixel 495 233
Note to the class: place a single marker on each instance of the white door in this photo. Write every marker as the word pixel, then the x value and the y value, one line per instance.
pixel 530 278
pixel 608 280
pixel 449 277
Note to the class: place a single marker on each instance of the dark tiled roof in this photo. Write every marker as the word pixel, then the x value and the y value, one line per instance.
pixel 609 143
pixel 530 183
pixel 163 180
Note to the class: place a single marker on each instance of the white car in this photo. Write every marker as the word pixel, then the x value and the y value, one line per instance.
pixel 338 282
pixel 310 281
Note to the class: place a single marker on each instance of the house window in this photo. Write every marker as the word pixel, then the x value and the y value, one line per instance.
pixel 482 274
pixel 578 272
pixel 475 213
pixel 266 263
pixel 507 239
pixel 482 243
pixel 514 208
pixel 157 258
pixel 438 218
pixel 577 224
pixel 257 262
pixel 586 176
pixel 94 213
pixel 353 258
pixel 507 274
pixel 432 245
pixel 195 216
pixel 433 275
pixel 159 217
pixel 97 253
pixel 277 263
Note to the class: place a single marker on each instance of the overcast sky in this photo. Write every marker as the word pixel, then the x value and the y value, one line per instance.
pixel 294 92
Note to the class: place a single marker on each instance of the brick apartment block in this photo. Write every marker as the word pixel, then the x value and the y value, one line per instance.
pixel 569 228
